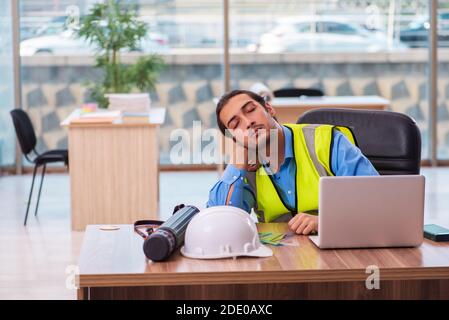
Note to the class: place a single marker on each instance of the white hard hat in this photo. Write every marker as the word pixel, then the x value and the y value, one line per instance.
pixel 222 232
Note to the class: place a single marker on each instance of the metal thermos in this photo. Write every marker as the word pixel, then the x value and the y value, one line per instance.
pixel 170 235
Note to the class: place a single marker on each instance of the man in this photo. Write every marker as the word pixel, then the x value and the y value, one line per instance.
pixel 287 190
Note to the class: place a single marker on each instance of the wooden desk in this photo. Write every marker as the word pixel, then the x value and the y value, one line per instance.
pixel 288 110
pixel 113 266
pixel 114 175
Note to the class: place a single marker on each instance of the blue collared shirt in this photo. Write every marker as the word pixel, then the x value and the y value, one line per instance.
pixel 347 160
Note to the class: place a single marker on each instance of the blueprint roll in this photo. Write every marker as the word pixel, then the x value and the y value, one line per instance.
pixel 170 235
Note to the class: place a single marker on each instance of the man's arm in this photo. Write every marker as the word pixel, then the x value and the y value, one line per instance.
pixel 232 190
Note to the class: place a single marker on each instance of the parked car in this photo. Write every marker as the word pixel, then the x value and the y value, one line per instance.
pixel 325 34
pixel 417 33
pixel 67 43
pixel 42 26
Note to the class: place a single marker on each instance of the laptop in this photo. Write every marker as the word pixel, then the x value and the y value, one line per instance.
pixel 370 211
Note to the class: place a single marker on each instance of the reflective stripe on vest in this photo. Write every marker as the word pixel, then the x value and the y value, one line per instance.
pixel 312 146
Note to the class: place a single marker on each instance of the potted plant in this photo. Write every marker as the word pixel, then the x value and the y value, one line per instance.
pixel 114 28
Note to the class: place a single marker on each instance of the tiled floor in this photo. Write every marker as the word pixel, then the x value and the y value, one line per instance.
pixel 33 259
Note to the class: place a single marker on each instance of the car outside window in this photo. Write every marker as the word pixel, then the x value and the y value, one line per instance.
pixel 303 27
pixel 336 27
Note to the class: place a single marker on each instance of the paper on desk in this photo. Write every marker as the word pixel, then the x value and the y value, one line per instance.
pixel 96 117
pixel 101 114
pixel 276 238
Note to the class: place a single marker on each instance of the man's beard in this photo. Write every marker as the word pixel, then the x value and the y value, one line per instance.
pixel 260 147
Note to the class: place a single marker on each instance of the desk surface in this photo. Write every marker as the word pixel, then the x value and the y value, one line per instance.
pixel 115 258
pixel 156 117
pixel 331 101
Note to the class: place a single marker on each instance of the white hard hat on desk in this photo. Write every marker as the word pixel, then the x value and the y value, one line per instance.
pixel 223 232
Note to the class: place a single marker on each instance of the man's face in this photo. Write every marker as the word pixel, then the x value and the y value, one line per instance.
pixel 248 120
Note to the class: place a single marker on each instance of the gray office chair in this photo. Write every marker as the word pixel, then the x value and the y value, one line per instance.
pixel 297 92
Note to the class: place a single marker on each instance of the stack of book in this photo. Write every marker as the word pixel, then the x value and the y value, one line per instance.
pixel 129 102
pixel 135 107
pixel 135 117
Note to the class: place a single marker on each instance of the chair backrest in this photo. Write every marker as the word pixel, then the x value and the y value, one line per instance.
pixel 390 140
pixel 297 92
pixel 24 130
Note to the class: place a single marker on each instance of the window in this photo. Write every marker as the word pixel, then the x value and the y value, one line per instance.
pixel 279 43
pixel 56 65
pixel 7 135
pixel 361 48
pixel 443 82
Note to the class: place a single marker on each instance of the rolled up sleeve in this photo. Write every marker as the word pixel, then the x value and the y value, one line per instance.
pixel 242 196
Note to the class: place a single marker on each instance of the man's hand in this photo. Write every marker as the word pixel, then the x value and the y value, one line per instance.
pixel 240 158
pixel 303 223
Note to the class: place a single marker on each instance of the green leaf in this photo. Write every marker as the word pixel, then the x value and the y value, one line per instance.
pixel 113 27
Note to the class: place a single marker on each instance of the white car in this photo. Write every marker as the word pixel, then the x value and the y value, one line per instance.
pixel 66 43
pixel 321 34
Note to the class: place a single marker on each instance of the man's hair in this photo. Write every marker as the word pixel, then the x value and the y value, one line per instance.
pixel 228 96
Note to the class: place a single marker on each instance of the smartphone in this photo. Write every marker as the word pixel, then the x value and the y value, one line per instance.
pixel 436 233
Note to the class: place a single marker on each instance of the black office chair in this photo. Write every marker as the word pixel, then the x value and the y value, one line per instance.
pixel 27 140
pixel 297 92
pixel 390 140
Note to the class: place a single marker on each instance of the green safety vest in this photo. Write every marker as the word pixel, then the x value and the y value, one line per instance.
pixel 312 145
